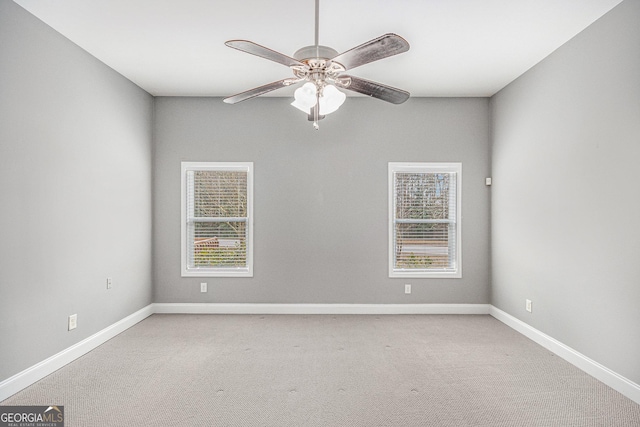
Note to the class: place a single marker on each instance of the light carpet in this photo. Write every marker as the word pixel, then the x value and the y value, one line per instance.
pixel 326 370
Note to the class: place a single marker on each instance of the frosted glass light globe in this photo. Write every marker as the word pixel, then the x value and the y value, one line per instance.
pixel 331 100
pixel 305 97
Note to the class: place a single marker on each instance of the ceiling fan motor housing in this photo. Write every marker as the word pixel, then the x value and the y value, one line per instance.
pixel 315 52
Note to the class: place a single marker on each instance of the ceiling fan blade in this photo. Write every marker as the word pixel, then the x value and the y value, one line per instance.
pixel 373 50
pixel 264 52
pixel 377 90
pixel 257 91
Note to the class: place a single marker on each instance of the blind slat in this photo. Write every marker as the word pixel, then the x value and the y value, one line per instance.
pixel 205 219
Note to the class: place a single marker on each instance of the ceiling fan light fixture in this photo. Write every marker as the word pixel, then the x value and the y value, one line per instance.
pixel 305 98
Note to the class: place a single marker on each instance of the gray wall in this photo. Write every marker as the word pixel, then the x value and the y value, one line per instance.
pixel 566 200
pixel 321 196
pixel 75 192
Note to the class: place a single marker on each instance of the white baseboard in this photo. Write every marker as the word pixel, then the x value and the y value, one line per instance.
pixel 23 379
pixel 591 367
pixel 229 308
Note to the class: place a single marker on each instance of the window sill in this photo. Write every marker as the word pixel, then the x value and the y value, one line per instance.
pixel 425 274
pixel 244 272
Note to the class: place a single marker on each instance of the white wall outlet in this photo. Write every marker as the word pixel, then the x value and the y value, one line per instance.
pixel 487 181
pixel 407 289
pixel 203 287
pixel 109 282
pixel 73 321
pixel 528 305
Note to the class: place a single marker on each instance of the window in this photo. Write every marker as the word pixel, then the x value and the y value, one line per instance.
pixel 217 219
pixel 424 219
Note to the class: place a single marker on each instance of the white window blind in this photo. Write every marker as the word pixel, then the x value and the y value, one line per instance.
pixel 424 228
pixel 217 219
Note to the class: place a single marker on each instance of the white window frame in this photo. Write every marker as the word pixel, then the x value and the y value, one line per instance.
pixel 413 167
pixel 216 271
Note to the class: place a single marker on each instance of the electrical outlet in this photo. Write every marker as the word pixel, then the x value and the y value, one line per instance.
pixel 109 282
pixel 73 321
pixel 487 181
pixel 203 287
pixel 528 305
pixel 407 289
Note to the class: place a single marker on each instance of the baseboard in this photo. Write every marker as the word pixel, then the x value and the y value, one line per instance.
pixel 229 308
pixel 23 379
pixel 591 367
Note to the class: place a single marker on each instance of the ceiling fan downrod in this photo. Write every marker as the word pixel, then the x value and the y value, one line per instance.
pixel 317 32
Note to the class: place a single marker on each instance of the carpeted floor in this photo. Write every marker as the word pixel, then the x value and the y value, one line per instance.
pixel 326 370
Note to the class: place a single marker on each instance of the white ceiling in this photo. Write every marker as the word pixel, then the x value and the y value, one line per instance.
pixel 458 47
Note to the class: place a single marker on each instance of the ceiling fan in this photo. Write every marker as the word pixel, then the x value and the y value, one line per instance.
pixel 323 70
